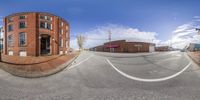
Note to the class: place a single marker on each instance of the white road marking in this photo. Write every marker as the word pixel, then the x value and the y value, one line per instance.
pixel 148 80
pixel 79 62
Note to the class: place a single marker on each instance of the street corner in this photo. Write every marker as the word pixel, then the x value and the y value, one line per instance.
pixel 35 67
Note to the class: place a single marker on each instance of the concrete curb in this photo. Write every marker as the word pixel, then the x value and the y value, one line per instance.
pixel 40 74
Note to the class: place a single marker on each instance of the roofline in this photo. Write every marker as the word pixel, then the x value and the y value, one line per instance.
pixel 48 13
pixel 114 41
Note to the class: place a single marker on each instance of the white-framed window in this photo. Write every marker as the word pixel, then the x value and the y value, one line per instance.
pixel 61 31
pixel 22 17
pixel 61 52
pixel 67 35
pixel 10 52
pixel 62 23
pixel 66 27
pixel 22 24
pixel 66 45
pixel 22 39
pixel 42 24
pixel 42 17
pixel 46 25
pixel 10 27
pixel 51 27
pixel 22 53
pixel 61 42
pixel 45 17
pixel 10 40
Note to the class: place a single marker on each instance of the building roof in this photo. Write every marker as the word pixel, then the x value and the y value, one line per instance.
pixel 47 13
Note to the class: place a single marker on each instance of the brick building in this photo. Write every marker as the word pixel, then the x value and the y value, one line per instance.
pixel 35 34
pixel 122 46
pixel 162 48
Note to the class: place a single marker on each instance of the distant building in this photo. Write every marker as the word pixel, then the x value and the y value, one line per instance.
pixel 35 34
pixel 162 48
pixel 121 46
pixel 193 47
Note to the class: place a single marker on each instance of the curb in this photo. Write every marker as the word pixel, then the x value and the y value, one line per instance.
pixel 40 74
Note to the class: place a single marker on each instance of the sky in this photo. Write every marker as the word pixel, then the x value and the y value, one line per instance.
pixel 163 22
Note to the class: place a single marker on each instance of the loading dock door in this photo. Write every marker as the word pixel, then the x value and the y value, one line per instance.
pixel 151 48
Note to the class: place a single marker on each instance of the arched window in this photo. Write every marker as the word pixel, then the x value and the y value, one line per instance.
pixel 22 39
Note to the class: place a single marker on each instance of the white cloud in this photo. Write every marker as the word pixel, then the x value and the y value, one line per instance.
pixel 99 35
pixel 183 35
pixel 196 18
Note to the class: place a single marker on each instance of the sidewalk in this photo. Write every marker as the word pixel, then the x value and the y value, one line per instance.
pixel 36 66
pixel 195 56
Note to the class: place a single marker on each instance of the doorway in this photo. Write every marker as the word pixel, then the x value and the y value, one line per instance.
pixel 45 45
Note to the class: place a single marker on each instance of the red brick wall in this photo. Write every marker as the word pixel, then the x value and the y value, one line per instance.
pixel 120 43
pixel 33 33
pixel 133 47
pixel 129 47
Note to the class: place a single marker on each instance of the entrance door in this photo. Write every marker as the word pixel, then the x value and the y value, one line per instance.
pixel 45 44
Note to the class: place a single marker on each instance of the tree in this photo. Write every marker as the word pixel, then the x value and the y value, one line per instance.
pixel 80 41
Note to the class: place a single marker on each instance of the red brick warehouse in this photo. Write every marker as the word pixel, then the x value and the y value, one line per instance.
pixel 35 34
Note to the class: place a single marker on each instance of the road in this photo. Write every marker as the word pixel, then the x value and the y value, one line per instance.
pixel 91 77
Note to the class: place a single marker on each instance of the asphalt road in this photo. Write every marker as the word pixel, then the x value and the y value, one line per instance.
pixel 93 78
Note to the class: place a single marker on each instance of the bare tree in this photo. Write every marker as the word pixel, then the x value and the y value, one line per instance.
pixel 80 41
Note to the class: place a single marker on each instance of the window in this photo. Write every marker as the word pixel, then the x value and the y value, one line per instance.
pixel 66 34
pixel 10 19
pixel 66 27
pixel 42 24
pixel 41 17
pixel 22 39
pixel 22 17
pixel 61 42
pixel 22 24
pixel 22 53
pixel 10 40
pixel 45 17
pixel 66 44
pixel 10 27
pixel 61 31
pixel 10 52
pixel 46 25
pixel 62 24
pixel 48 18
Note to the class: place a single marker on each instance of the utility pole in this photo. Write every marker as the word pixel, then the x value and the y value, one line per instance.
pixel 109 38
pixel 198 31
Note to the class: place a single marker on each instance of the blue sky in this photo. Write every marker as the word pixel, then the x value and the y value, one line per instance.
pixel 160 16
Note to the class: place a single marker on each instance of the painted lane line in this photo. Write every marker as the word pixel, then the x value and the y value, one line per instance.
pixel 79 62
pixel 148 80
